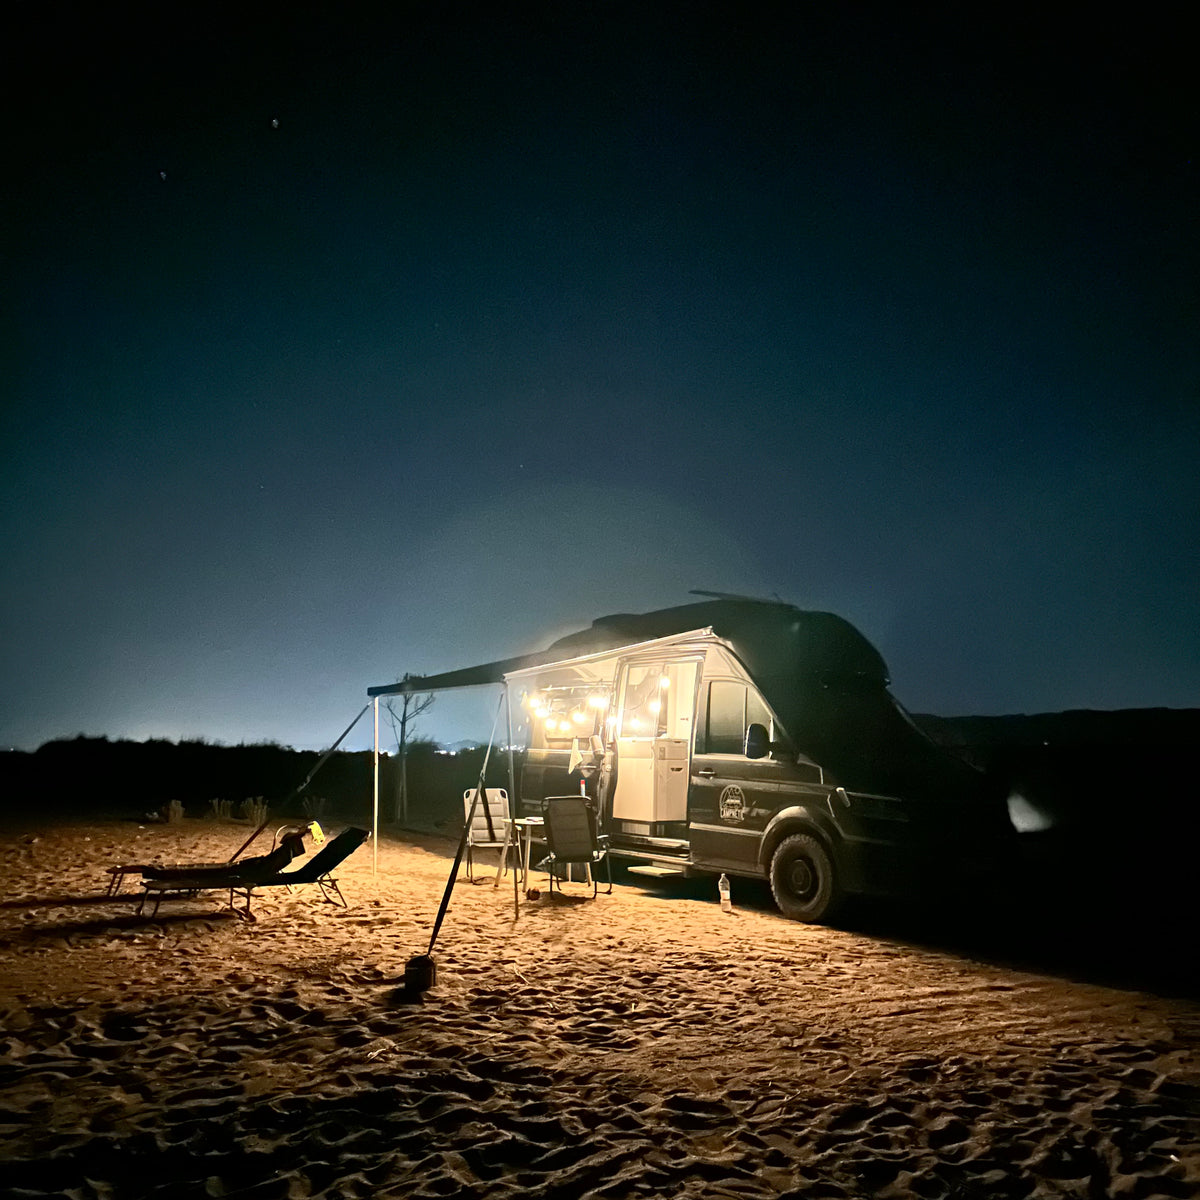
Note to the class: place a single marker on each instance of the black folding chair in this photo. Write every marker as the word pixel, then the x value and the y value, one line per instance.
pixel 572 837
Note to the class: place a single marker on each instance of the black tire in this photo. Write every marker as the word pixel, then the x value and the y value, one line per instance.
pixel 804 881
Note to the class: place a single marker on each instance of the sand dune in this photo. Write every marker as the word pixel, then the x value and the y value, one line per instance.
pixel 642 1044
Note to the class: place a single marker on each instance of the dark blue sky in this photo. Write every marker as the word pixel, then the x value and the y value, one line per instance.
pixel 338 348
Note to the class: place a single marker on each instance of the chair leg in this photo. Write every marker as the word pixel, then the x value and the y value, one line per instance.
pixel 590 876
pixel 245 914
pixel 502 865
pixel 329 887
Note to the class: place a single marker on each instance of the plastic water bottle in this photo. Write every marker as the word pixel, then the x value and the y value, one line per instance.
pixel 723 889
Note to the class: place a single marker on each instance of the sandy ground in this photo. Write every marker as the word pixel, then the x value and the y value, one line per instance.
pixel 642 1044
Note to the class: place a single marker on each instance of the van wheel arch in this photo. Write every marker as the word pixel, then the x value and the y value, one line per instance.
pixel 798 824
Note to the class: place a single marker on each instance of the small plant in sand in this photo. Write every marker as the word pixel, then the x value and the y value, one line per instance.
pixel 253 809
pixel 172 812
pixel 222 810
pixel 314 806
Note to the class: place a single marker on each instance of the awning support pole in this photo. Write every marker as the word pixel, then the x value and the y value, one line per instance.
pixel 307 780
pixel 512 799
pixel 375 811
pixel 512 774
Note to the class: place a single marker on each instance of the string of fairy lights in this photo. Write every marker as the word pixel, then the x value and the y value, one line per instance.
pixel 573 711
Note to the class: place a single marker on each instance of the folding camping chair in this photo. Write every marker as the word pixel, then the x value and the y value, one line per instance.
pixel 487 827
pixel 572 837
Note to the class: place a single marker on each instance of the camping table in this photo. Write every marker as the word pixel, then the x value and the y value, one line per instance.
pixel 513 828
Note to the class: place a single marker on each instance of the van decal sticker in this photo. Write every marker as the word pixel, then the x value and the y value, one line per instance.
pixel 732 805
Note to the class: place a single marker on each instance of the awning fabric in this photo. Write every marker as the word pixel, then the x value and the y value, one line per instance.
pixel 480 676
pixel 825 682
pixel 818 642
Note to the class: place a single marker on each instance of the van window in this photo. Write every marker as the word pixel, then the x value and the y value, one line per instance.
pixel 558 715
pixel 730 707
pixel 657 699
pixel 641 713
pixel 757 711
pixel 726 717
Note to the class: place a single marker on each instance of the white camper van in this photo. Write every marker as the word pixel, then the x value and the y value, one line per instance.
pixel 743 737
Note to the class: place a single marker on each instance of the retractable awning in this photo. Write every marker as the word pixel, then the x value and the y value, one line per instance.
pixel 479 676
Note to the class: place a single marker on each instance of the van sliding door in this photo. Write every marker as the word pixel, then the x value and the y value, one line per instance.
pixel 656 700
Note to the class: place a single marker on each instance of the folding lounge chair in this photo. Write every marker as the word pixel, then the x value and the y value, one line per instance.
pixel 487 828
pixel 319 870
pixel 291 845
pixel 571 835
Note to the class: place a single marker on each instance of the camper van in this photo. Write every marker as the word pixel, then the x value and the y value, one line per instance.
pixel 748 738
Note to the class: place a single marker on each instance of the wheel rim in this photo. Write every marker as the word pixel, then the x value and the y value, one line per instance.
pixel 801 878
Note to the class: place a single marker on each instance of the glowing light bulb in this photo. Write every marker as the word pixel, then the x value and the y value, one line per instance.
pixel 598 701
pixel 664 682
pixel 579 716
pixel 655 705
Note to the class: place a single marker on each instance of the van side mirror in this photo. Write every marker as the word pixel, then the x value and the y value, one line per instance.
pixel 758 741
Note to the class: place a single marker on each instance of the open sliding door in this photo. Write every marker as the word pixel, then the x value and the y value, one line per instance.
pixel 655 715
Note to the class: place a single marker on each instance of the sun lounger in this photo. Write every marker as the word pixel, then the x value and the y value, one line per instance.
pixel 319 870
pixel 291 845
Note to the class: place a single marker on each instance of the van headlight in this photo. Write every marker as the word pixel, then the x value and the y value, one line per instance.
pixel 1025 816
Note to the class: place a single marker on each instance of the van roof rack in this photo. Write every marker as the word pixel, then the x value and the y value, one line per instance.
pixel 735 596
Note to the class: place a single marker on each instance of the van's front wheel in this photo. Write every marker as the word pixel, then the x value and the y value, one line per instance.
pixel 803 879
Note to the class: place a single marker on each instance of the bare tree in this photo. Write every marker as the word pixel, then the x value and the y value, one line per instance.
pixel 412 705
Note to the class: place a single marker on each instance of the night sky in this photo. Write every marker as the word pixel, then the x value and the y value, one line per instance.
pixel 341 347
